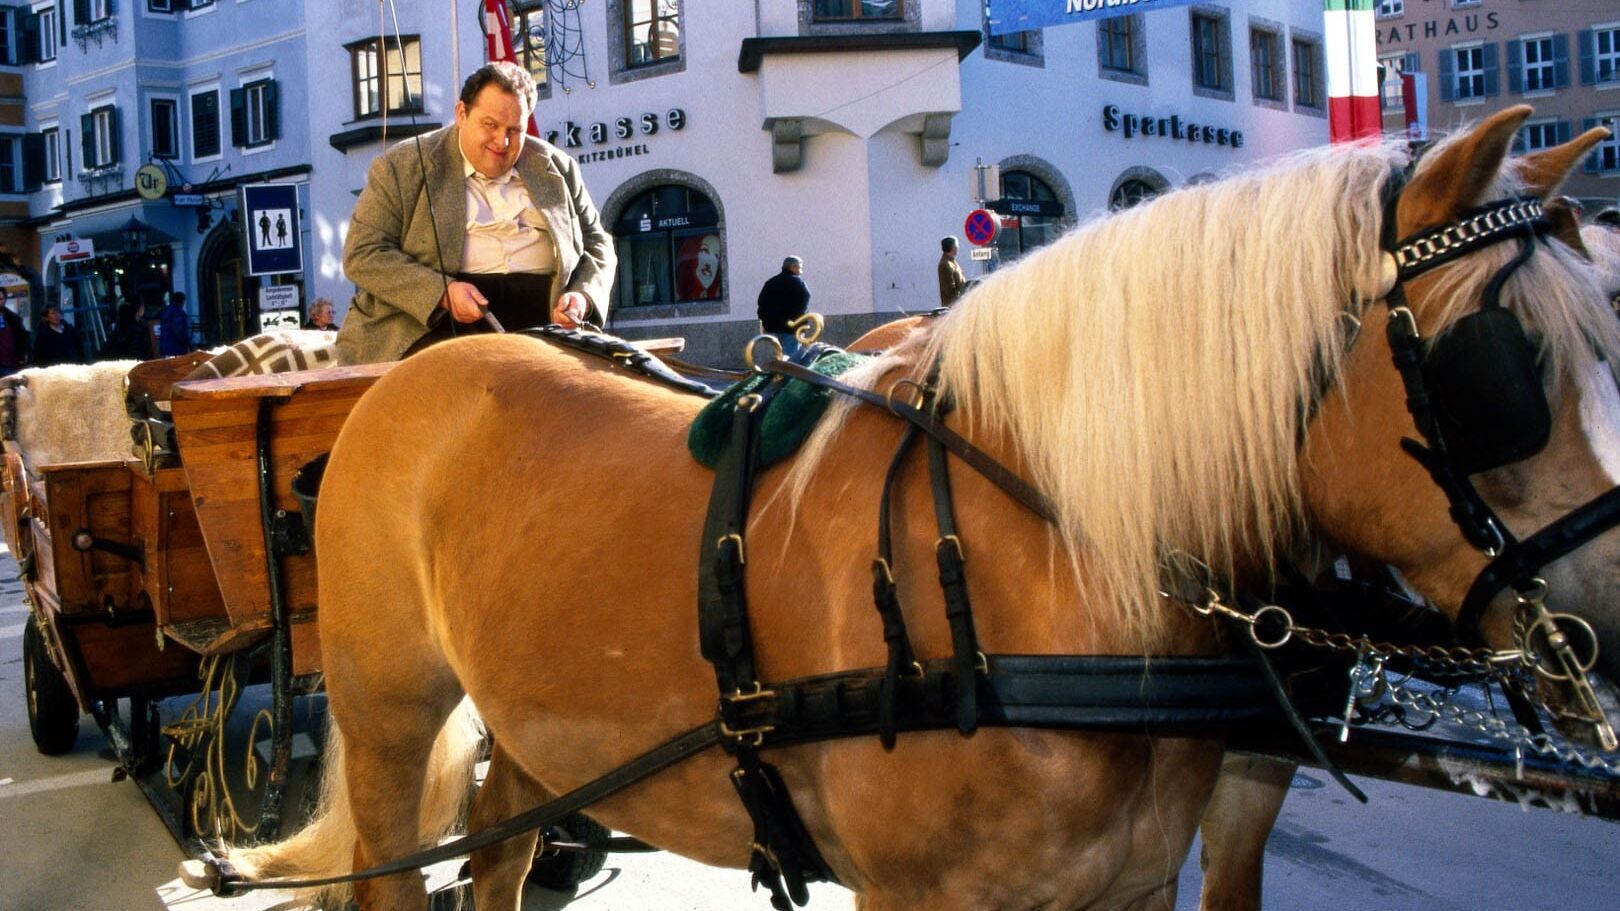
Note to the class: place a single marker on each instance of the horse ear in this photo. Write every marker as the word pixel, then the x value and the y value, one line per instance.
pixel 1566 226
pixel 1546 169
pixel 1461 172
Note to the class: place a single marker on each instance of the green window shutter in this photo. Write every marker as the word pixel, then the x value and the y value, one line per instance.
pixel 272 111
pixel 112 121
pixel 239 117
pixel 33 161
pixel 87 140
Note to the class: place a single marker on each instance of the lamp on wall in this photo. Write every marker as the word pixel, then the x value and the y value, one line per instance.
pixel 134 233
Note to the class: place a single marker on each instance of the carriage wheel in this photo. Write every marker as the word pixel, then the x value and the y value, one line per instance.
pixel 53 713
pixel 561 871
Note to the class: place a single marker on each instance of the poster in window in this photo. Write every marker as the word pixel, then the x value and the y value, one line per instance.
pixel 697 267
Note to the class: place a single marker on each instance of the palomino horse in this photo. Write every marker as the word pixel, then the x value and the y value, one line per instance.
pixel 512 522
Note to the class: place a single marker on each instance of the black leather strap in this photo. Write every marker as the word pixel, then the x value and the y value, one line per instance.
pixel 902 658
pixel 978 459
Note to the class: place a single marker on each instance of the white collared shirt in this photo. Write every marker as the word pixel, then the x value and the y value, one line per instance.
pixel 505 232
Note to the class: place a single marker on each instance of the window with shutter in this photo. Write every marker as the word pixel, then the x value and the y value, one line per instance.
pixel 205 124
pixel 46 31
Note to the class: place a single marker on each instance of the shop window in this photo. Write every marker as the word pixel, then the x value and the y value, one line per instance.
pixel 652 31
pixel 205 124
pixel 671 249
pixel 165 128
pixel 1023 233
pixel 387 72
pixel 839 10
pixel 255 118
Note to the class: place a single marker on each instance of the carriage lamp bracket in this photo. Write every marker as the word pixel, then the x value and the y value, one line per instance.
pixel 84 541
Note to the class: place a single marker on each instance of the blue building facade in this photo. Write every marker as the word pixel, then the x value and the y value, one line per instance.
pixel 143 120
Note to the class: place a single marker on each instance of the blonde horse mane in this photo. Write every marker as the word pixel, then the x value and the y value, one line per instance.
pixel 1151 368
pixel 1603 243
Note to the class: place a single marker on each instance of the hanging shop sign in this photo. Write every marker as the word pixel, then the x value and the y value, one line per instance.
pixel 1171 127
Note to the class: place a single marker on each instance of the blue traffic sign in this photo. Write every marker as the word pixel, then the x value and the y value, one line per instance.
pixel 981 227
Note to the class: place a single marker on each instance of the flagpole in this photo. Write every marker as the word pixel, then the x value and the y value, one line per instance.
pixel 455 46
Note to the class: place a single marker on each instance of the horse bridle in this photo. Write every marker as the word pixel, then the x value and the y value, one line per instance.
pixel 1477 398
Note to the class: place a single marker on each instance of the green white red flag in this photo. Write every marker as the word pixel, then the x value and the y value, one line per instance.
pixel 1352 68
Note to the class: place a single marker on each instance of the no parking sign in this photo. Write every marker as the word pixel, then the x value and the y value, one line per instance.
pixel 981 227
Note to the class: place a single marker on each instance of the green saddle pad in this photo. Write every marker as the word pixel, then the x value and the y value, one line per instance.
pixel 793 413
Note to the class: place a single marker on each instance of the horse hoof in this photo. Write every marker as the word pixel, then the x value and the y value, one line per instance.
pixel 199 875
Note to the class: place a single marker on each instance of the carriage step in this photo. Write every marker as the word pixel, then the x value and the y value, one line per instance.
pixel 303 748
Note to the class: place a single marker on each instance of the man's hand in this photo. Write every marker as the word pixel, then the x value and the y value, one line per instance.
pixel 464 301
pixel 570 309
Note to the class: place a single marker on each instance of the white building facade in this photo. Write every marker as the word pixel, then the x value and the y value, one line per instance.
pixel 717 138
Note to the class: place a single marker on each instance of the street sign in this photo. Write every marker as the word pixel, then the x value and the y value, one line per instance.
pixel 187 199
pixel 278 297
pixel 982 254
pixel 73 250
pixel 151 182
pixel 981 227
pixel 271 236
pixel 278 319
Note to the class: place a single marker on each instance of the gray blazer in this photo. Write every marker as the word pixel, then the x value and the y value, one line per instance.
pixel 398 261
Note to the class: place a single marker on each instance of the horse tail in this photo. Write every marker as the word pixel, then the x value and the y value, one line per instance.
pixel 326 845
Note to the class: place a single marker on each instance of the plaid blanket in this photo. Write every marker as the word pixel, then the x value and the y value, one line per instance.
pixel 278 351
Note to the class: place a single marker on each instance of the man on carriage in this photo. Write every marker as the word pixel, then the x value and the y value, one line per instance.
pixel 462 219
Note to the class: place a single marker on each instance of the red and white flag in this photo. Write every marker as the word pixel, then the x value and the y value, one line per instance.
pixel 498 43
pixel 1352 67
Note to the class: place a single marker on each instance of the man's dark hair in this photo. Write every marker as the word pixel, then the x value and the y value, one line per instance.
pixel 1609 218
pixel 508 76
pixel 177 297
pixel 947 243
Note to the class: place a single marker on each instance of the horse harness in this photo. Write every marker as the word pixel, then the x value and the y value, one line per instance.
pixel 970 689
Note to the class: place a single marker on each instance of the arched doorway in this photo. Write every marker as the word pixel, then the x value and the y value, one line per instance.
pixel 222 305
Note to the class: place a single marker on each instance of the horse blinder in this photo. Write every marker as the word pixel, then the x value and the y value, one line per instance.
pixel 1485 388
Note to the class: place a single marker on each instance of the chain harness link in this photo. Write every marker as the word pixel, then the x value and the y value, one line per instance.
pixel 1375 688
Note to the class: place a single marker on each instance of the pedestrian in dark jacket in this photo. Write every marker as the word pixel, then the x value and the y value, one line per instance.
pixel 13 342
pixel 784 298
pixel 56 342
pixel 174 326
pixel 129 338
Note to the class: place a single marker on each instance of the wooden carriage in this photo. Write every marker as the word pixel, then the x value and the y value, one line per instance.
pixel 181 568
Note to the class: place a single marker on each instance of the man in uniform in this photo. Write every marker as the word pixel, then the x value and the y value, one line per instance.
pixel 475 215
